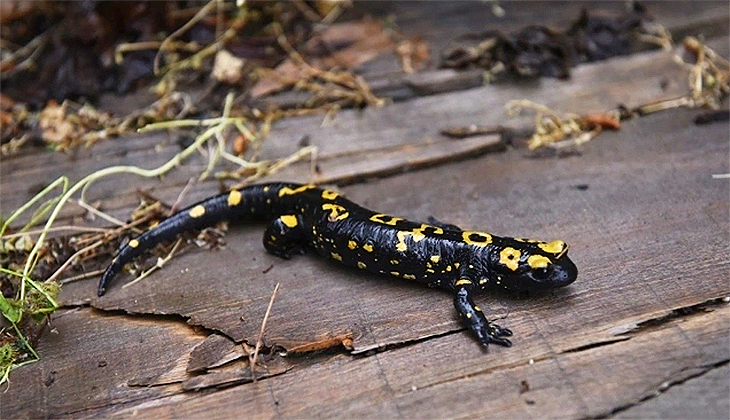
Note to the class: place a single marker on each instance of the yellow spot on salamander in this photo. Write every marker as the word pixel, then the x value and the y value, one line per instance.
pixel 288 191
pixel 538 261
pixel 329 195
pixel 361 265
pixel 416 234
pixel 409 276
pixel 394 273
pixel 468 315
pixel 267 188
pixel 419 232
pixel 435 258
pixel 428 270
pixel 336 256
pixel 510 257
pixel 234 198
pixel 401 244
pixel 385 219
pixel 462 282
pixel 554 247
pixel 368 247
pixel 478 309
pixel 351 244
pixel 337 212
pixel 394 262
pixel 197 211
pixel 456 265
pixel 476 238
pixel 133 243
pixel 289 220
pixel 448 268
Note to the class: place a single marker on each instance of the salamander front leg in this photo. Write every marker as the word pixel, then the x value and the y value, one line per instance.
pixel 474 318
pixel 284 236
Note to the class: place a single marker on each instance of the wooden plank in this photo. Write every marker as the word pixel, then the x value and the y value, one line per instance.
pixel 636 214
pixel 88 359
pixel 440 22
pixel 702 397
pixel 212 275
pixel 410 382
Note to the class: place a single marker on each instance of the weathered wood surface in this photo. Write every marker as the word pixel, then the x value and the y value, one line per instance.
pixel 649 234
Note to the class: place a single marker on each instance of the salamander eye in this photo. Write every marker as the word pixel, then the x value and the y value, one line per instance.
pixel 542 273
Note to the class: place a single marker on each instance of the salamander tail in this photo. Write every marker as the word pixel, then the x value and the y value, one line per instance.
pixel 251 203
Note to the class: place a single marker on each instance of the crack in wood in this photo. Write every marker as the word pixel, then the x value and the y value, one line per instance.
pixel 382 347
pixel 594 345
pixel 681 312
pixel 664 387
pixel 171 317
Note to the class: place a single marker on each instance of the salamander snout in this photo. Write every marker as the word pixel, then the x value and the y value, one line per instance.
pixel 561 272
pixel 533 265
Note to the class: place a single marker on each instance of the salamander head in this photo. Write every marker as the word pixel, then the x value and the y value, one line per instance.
pixel 529 265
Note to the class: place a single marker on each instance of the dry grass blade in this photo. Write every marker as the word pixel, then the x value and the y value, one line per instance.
pixel 259 340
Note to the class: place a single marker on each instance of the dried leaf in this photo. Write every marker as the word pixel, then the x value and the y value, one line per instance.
pixel 364 41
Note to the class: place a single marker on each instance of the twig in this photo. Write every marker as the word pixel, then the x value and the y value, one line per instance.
pixel 56 229
pixel 70 259
pixel 31 49
pixel 126 47
pixel 101 214
pixel 307 11
pixel 178 201
pixel 112 233
pixel 80 276
pixel 189 24
pixel 259 341
pixel 160 262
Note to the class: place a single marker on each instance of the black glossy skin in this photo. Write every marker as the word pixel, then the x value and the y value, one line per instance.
pixel 305 217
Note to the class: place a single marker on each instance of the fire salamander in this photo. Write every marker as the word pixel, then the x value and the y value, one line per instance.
pixel 444 256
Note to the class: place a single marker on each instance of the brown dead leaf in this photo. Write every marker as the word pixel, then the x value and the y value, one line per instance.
pixel 414 54
pixel 601 120
pixel 353 44
pixel 240 145
pixel 68 124
pixel 6 102
pixel 56 128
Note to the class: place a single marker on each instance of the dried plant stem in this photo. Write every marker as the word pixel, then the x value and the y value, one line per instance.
pixel 80 229
pixel 160 262
pixel 70 259
pixel 259 341
pixel 101 214
pixel 189 24
pixel 80 276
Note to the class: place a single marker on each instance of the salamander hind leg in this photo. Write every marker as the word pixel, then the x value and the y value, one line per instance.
pixel 474 318
pixel 284 237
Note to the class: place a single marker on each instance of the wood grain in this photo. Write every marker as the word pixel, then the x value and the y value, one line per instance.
pixel 647 224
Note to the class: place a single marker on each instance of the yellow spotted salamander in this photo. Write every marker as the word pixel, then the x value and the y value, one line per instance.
pixel 304 216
